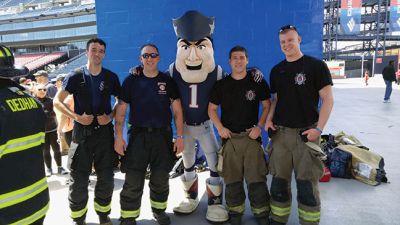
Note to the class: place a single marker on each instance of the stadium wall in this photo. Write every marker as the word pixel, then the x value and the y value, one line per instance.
pixel 127 24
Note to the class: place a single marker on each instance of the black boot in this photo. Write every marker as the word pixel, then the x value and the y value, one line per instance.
pixel 105 220
pixel 162 218
pixel 128 222
pixel 264 220
pixel 273 222
pixel 235 219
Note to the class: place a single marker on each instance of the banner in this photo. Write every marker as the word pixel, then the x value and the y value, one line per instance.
pixel 394 21
pixel 350 16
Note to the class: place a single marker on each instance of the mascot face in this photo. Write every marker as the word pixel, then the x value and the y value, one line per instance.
pixel 195 60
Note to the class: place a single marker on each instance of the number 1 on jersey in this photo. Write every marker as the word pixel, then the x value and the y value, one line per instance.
pixel 193 96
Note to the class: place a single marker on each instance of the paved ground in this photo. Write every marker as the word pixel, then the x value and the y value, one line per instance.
pixel 358 110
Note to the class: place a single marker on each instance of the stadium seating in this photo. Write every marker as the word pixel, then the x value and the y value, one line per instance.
pixel 34 61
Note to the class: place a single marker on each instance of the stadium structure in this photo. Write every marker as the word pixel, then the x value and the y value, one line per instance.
pixel 48 34
pixel 375 40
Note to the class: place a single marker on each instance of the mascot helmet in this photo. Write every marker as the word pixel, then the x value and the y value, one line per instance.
pixel 193 26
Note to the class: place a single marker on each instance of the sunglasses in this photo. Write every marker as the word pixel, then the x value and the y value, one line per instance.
pixel 150 55
pixel 42 89
pixel 287 27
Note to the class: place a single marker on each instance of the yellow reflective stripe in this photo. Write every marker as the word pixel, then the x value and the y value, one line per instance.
pixel 32 218
pixel 80 213
pixel 100 208
pixel 8 53
pixel 130 214
pixel 1 53
pixel 309 216
pixel 23 143
pixel 259 210
pixel 280 211
pixel 238 209
pixel 15 197
pixel 158 205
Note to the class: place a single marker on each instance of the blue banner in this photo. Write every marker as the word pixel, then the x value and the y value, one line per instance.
pixel 350 16
pixel 394 15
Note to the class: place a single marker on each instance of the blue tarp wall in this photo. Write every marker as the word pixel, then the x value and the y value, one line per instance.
pixel 126 25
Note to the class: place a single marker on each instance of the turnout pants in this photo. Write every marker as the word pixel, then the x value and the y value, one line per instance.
pixel 287 153
pixel 146 146
pixel 91 145
pixel 243 157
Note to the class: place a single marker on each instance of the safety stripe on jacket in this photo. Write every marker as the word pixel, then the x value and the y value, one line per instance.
pixel 32 218
pixel 158 205
pixel 23 194
pixel 280 211
pixel 100 208
pixel 130 213
pixel 309 216
pixel 77 214
pixel 238 209
pixel 23 143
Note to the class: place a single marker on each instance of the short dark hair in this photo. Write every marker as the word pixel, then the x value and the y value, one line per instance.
pixel 95 40
pixel 391 62
pixel 149 45
pixel 238 48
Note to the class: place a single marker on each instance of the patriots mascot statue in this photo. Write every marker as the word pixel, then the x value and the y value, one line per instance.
pixel 195 73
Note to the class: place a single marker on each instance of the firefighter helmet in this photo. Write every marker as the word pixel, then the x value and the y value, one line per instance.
pixel 7 67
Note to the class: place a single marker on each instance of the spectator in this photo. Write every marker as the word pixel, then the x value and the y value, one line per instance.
pixel 389 76
pixel 51 135
pixel 42 77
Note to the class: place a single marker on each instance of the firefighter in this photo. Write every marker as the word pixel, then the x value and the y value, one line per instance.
pixel 93 135
pixel 24 194
pixel 150 96
pixel 297 84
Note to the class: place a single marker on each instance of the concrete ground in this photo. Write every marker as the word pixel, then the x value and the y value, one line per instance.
pixel 358 110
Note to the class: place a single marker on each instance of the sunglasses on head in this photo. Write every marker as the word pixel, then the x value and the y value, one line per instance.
pixel 150 55
pixel 287 27
pixel 42 89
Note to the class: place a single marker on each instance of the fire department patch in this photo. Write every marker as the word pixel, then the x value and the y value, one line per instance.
pixel 250 95
pixel 161 88
pixel 300 79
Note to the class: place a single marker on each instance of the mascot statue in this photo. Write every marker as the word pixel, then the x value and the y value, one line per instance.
pixel 195 73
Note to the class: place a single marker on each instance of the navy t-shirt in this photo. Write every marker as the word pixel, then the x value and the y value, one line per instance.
pixel 149 99
pixel 95 86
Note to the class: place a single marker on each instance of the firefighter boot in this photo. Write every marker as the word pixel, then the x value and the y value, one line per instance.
pixel 264 220
pixel 105 220
pixel 191 202
pixel 128 222
pixel 162 218
pixel 235 219
pixel 216 212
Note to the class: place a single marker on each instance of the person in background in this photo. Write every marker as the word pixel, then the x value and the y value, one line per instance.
pixel 51 131
pixel 389 75
pixel 42 77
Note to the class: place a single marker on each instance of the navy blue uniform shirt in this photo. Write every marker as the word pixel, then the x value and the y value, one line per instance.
pixel 149 99
pixel 95 84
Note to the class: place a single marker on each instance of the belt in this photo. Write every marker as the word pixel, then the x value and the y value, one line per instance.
pixel 196 124
pixel 151 129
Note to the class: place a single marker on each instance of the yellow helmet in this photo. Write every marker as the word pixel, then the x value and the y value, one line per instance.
pixel 7 67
